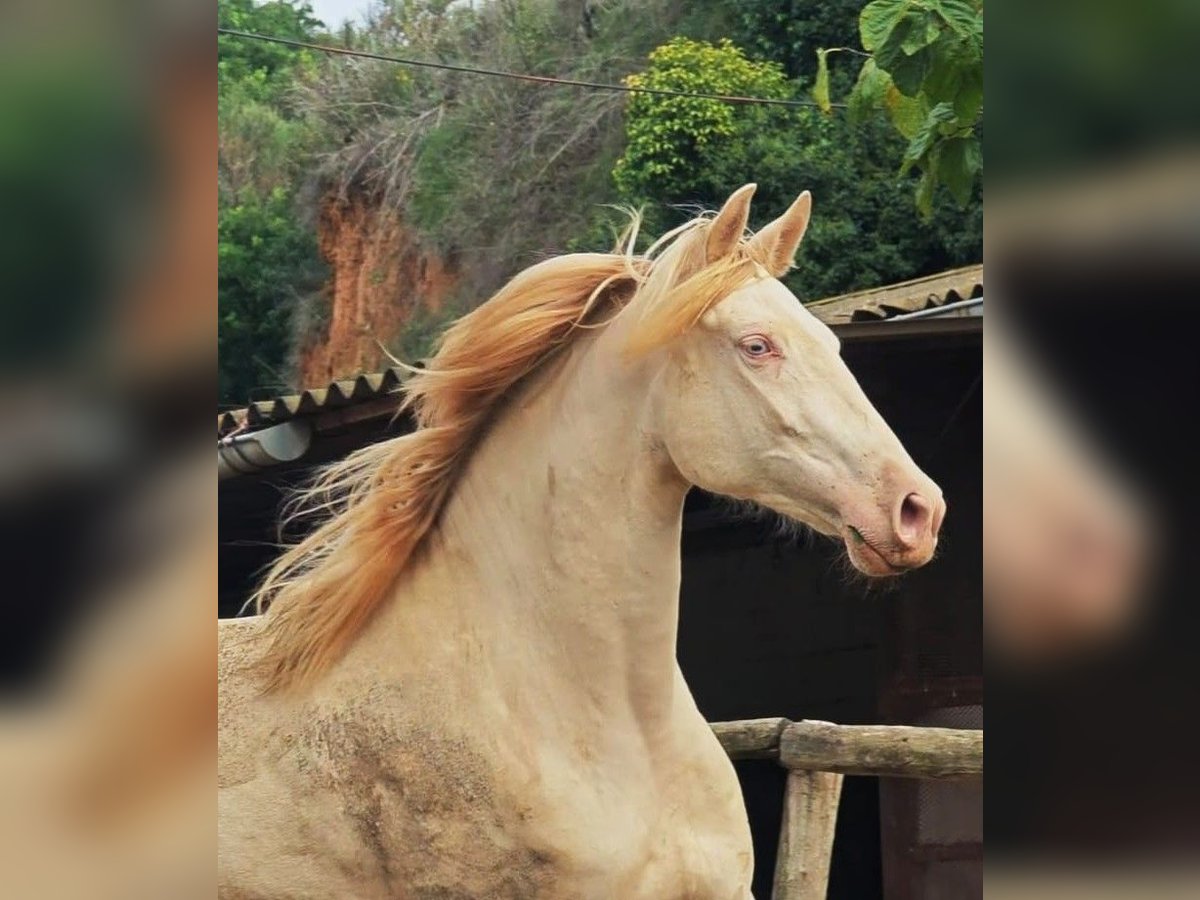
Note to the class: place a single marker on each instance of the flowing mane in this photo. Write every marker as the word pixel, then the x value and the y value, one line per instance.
pixel 379 503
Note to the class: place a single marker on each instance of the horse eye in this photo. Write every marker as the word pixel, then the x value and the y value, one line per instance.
pixel 756 346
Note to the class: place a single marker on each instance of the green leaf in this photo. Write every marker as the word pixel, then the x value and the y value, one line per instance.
pixel 969 99
pixel 947 67
pixel 908 70
pixel 924 198
pixel 927 183
pixel 961 16
pixel 820 89
pixel 959 160
pixel 878 19
pixel 907 113
pixel 920 35
pixel 927 135
pixel 868 93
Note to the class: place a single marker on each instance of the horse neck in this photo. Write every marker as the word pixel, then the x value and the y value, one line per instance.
pixel 570 514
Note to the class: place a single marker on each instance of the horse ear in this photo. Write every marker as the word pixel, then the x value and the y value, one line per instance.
pixel 730 224
pixel 779 240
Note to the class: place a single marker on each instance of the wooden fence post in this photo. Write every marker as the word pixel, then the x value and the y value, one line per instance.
pixel 810 807
pixel 817 755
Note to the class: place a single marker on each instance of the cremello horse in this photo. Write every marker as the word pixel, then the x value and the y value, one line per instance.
pixel 465 684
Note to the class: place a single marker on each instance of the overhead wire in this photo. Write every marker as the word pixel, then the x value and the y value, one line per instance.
pixel 518 76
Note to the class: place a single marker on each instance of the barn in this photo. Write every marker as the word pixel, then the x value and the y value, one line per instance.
pixel 770 626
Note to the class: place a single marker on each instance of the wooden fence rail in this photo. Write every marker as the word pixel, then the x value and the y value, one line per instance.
pixel 890 751
pixel 817 755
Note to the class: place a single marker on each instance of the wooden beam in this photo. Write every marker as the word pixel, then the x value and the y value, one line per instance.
pixel 896 751
pixel 899 751
pixel 810 808
pixel 751 738
pixel 337 417
pixel 912 329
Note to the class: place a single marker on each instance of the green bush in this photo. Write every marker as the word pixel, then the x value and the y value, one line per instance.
pixel 684 152
pixel 266 252
pixel 265 262
pixel 673 142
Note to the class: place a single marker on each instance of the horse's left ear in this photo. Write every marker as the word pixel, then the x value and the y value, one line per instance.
pixel 778 241
pixel 730 224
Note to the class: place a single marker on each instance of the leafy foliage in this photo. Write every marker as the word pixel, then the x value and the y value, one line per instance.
pixel 494 174
pixel 925 69
pixel 266 253
pixel 240 60
pixel 669 139
pixel 791 31
pixel 683 152
pixel 264 261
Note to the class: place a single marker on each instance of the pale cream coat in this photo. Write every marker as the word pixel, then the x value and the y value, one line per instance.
pixel 512 723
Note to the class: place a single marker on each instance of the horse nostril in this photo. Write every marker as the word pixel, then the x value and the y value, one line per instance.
pixel 916 514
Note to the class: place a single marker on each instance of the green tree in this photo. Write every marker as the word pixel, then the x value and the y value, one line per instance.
pixel 494 174
pixel 265 264
pixel 687 152
pixel 266 253
pixel 678 142
pixel 924 65
pixel 791 31
pixel 239 58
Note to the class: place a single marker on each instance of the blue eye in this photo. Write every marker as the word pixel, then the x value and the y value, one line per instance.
pixel 756 346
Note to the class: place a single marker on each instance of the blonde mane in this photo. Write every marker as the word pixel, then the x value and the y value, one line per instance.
pixel 379 503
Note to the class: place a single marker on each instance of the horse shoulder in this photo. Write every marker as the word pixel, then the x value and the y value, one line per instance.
pixel 237 640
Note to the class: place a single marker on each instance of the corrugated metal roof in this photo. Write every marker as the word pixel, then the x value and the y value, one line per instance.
pixel 874 305
pixel 895 299
pixel 337 394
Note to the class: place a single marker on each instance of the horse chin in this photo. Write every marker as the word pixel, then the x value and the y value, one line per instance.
pixel 868 560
